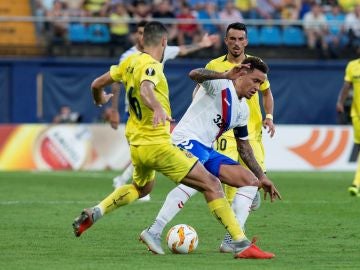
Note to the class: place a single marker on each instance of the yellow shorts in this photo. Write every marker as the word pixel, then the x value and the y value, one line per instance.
pixel 227 146
pixel 356 128
pixel 167 159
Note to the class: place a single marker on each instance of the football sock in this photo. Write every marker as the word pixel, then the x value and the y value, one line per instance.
pixel 175 201
pixel 242 203
pixel 223 212
pixel 356 181
pixel 121 196
pixel 230 193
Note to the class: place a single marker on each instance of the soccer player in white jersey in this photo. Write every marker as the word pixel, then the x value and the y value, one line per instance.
pixel 218 106
pixel 171 52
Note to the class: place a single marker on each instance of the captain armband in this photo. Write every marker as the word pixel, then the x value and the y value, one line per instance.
pixel 241 132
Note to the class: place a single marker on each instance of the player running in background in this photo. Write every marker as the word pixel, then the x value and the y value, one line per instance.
pixel 148 133
pixel 219 105
pixel 352 81
pixel 236 41
pixel 171 52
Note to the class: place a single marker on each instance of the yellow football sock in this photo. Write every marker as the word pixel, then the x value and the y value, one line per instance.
pixel 120 197
pixel 230 193
pixel 222 210
pixel 356 181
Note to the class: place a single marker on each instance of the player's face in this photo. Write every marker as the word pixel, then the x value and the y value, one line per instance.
pixel 236 41
pixel 139 37
pixel 249 84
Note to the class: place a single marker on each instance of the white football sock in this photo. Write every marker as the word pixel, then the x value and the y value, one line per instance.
pixel 125 176
pixel 242 203
pixel 175 201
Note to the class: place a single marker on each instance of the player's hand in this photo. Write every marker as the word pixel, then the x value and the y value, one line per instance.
pixel 114 119
pixel 237 71
pixel 268 124
pixel 160 117
pixel 103 99
pixel 208 40
pixel 270 188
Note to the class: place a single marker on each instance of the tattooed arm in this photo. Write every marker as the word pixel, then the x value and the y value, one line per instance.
pixel 247 155
pixel 200 75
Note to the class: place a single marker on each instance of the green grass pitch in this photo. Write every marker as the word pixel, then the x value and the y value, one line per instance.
pixel 315 226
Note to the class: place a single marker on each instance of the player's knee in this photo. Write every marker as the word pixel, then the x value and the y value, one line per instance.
pixel 213 184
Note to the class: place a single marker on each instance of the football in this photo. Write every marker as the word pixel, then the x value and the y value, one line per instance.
pixel 182 239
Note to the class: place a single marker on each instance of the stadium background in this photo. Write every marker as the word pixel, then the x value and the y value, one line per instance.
pixel 315 226
pixel 46 64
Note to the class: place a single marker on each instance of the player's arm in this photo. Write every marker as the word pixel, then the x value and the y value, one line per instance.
pixel 344 93
pixel 268 102
pixel 206 41
pixel 200 75
pixel 148 97
pixel 97 87
pixel 115 115
pixel 247 155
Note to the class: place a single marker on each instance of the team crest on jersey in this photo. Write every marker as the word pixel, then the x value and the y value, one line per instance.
pixel 188 154
pixel 150 71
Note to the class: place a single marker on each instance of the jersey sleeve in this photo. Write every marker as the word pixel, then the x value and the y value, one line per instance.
pixel 209 65
pixel 171 52
pixel 265 85
pixel 115 73
pixel 151 72
pixel 212 87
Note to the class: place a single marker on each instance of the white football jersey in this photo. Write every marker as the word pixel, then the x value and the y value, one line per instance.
pixel 215 109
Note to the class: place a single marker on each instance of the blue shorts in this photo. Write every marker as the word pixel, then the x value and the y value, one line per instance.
pixel 207 156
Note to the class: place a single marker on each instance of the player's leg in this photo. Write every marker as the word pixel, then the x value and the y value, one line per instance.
pixel 142 185
pixel 124 177
pixel 354 190
pixel 181 166
pixel 174 202
pixel 239 196
pixel 218 205
pixel 177 197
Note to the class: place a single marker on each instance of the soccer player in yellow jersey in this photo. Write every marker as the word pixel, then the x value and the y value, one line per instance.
pixel 148 133
pixel 352 81
pixel 236 41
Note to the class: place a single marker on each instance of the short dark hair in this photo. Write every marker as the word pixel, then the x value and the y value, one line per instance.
pixel 141 24
pixel 256 63
pixel 237 26
pixel 153 32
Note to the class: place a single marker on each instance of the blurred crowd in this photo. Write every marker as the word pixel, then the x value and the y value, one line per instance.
pixel 328 25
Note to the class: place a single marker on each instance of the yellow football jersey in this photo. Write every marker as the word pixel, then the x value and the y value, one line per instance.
pixel 352 75
pixel 132 72
pixel 222 64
